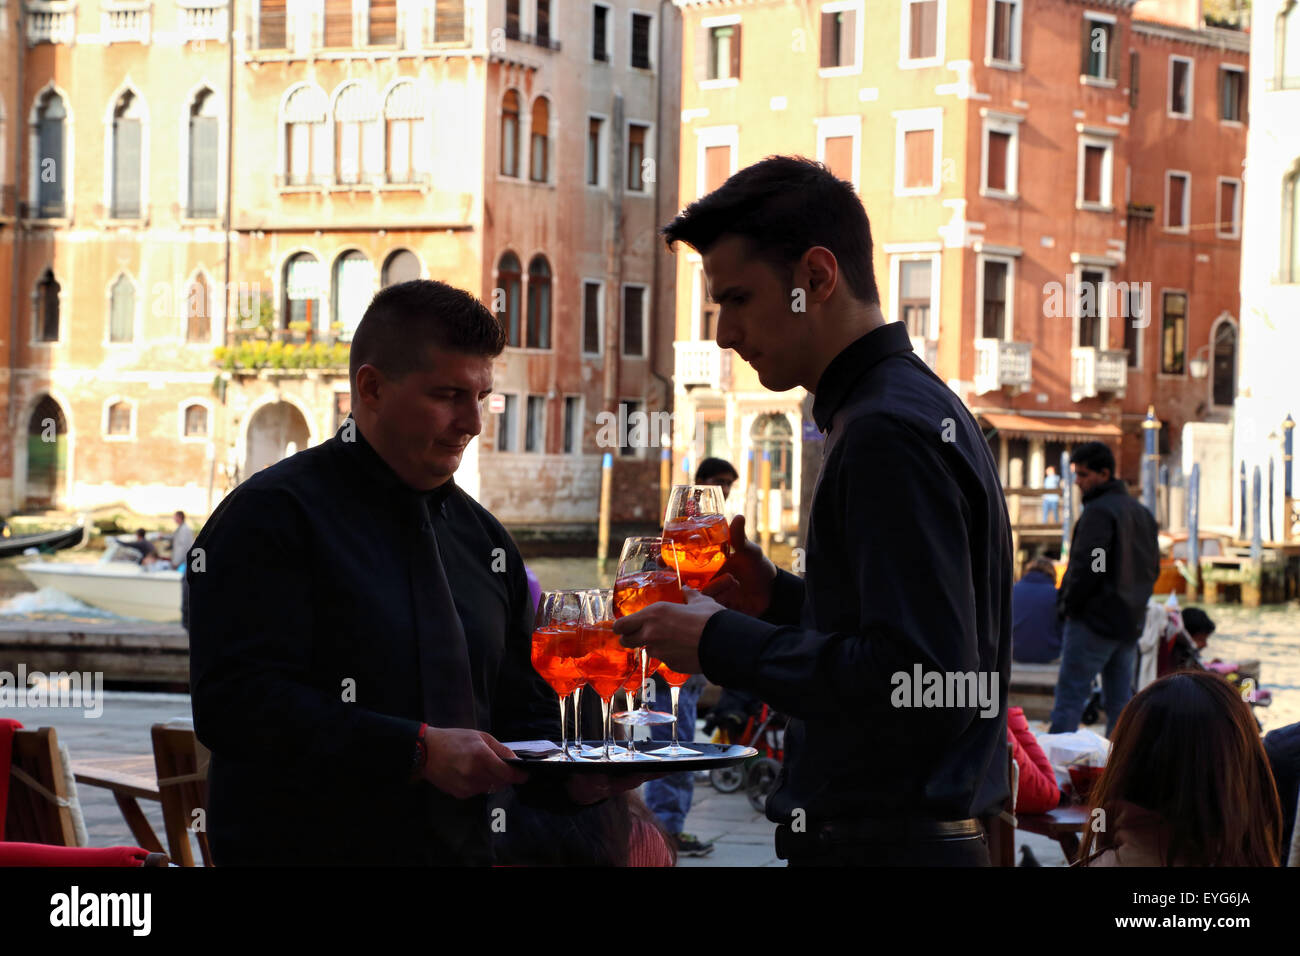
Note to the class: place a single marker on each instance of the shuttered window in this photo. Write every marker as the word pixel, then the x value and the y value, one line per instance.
pixel 839 156
pixel 203 157
pixel 918 159
pixel 923 29
pixel 449 21
pixel 717 166
pixel 915 289
pixel 383 22
pixel 636 143
pixel 126 159
pixel 1004 13
pixel 539 304
pixel 994 324
pixel 50 144
pixel 271 18
pixel 1094 160
pixel 998 151
pixel 1091 289
pixel 338 23
pixel 1176 201
pixel 1228 207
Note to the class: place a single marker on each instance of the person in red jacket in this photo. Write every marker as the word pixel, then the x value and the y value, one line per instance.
pixel 1038 791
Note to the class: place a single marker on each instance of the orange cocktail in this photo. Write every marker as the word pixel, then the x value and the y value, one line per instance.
pixel 553 651
pixel 603 660
pixel 700 546
pixel 643 588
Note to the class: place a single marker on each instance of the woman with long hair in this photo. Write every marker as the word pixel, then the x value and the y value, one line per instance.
pixel 1187 783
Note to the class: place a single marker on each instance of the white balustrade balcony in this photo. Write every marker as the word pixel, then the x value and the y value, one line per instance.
pixel 1097 371
pixel 702 363
pixel 1000 364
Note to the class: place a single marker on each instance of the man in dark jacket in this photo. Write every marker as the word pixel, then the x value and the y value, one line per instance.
pixel 908 551
pixel 1114 563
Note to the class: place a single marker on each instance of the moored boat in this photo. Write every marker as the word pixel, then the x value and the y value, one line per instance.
pixel 121 587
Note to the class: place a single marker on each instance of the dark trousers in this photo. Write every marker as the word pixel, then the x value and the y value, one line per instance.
pixel 960 851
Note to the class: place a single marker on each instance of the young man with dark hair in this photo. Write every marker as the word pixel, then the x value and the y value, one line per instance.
pixel 357 653
pixel 1114 563
pixel 908 549
pixel 717 471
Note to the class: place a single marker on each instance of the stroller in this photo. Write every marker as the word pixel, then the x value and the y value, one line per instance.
pixel 740 718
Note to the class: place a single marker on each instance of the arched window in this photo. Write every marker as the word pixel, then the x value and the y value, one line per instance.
pixel 196 421
pixel 357 133
pixel 198 311
pixel 539 303
pixel 119 419
pixel 508 281
pixel 302 290
pixel 510 134
pixel 121 310
pixel 306 137
pixel 49 145
pixel 127 133
pixel 1287 68
pixel 402 266
pixel 1223 389
pixel 407 135
pixel 771 434
pixel 47 308
pixel 538 170
pixel 1291 222
pixel 354 283
pixel 203 156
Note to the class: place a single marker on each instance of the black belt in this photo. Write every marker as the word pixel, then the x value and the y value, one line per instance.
pixel 820 836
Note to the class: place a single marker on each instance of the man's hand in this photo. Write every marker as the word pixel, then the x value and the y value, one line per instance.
pixel 586 788
pixel 745 582
pixel 671 632
pixel 465 763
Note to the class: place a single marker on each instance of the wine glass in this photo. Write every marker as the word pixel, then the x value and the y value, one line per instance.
pixel 647 572
pixel 601 657
pixel 695 523
pixel 554 645
pixel 675 681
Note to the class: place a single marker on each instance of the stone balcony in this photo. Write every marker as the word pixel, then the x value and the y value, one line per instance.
pixel 1096 372
pixel 1000 364
pixel 701 363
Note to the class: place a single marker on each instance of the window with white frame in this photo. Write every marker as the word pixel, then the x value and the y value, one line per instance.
pixel 1001 159
pixel 358 135
pixel 1232 94
pixel 595 150
pixel 839 141
pixel 841 38
pixel 119 419
pixel 203 137
pixel 600 47
pixel 1180 87
pixel 639 161
pixel 1004 32
pixel 916 278
pixel 717 57
pixel 917 151
pixel 1094 187
pixel 194 421
pixel 1228 225
pixel 406 135
pixel 996 278
pixel 1101 53
pixel 306 136
pixel 922 28
pixel 1090 307
pixel 716 157
pixel 1178 197
pixel 535 424
pixel 125 199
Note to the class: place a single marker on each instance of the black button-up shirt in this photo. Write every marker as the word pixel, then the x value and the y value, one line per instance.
pixel 305 660
pixel 908 566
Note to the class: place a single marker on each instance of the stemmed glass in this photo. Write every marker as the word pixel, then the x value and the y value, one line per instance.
pixel 601 657
pixel 694 522
pixel 554 647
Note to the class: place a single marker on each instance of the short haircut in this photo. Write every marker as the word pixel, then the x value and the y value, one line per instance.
pixel 1095 456
pixel 179 514
pixel 1043 564
pixel 712 468
pixel 405 320
pixel 1196 621
pixel 784 206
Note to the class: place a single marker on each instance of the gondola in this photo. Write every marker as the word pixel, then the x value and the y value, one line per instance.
pixel 46 541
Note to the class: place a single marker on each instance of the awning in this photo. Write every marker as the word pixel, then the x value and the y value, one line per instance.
pixel 1050 429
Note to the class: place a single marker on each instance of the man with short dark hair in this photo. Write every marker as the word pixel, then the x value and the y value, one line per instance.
pixel 717 471
pixel 360 628
pixel 1114 563
pixel 908 550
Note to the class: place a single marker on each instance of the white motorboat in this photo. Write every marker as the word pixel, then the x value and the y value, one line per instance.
pixel 122 587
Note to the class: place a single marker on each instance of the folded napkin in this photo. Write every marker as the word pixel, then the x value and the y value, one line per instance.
pixel 533 748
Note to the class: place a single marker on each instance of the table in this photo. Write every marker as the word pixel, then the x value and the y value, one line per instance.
pixel 1064 824
pixel 128 777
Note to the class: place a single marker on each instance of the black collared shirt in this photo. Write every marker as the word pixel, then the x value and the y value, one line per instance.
pixel 305 668
pixel 908 561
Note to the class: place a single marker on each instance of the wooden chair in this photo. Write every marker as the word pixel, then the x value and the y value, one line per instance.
pixel 182 766
pixel 41 810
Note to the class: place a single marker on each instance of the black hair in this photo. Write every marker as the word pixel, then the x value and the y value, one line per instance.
pixel 1196 621
pixel 712 467
pixel 1095 456
pixel 405 319
pixel 784 206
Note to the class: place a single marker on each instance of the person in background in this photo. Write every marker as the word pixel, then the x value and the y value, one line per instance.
pixel 1035 626
pixel 1283 749
pixel 1187 783
pixel 1181 649
pixel 670 797
pixel 182 541
pixel 717 471
pixel 1037 790
pixel 1052 501
pixel 143 545
pixel 620 831
pixel 1114 563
